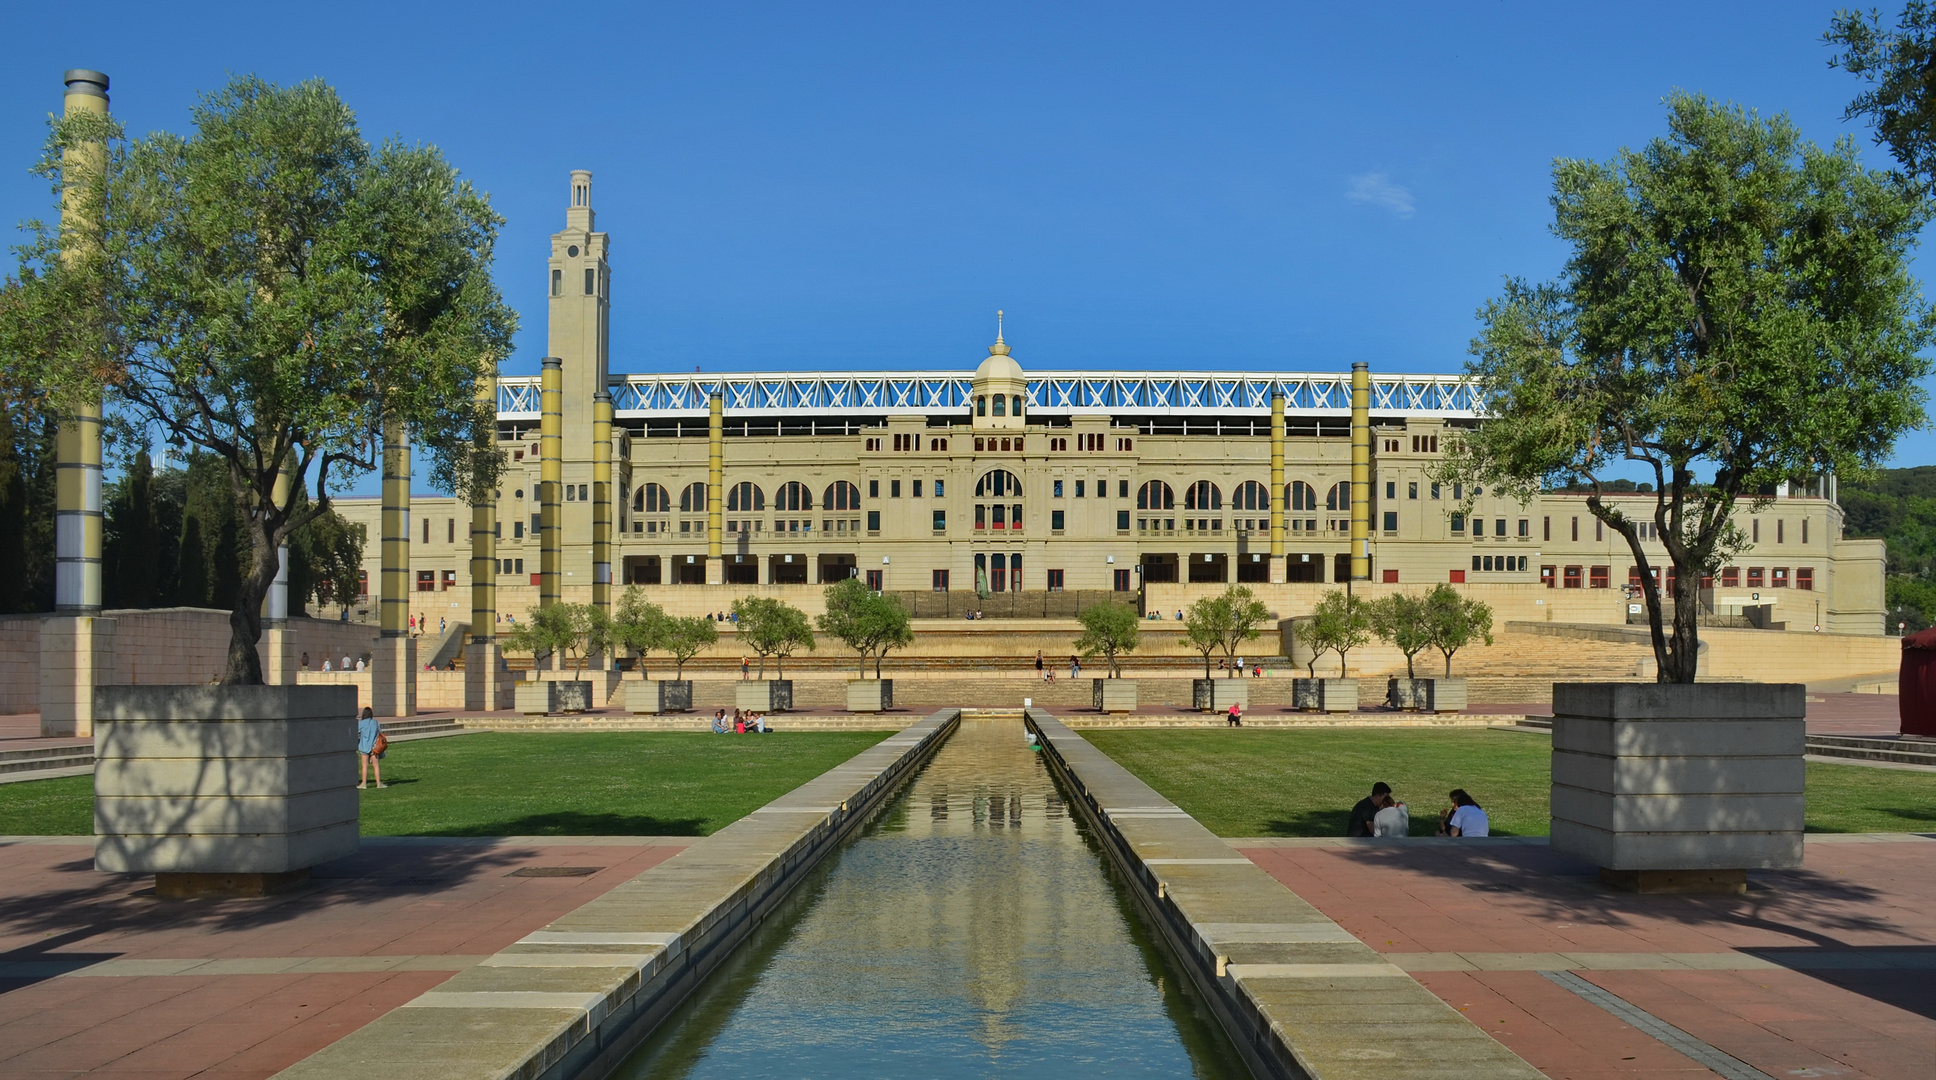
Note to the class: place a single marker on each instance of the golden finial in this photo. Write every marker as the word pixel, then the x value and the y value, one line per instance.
pixel 998 326
pixel 1000 348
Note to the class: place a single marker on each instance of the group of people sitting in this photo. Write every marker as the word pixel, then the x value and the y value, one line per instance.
pixel 1381 815
pixel 742 722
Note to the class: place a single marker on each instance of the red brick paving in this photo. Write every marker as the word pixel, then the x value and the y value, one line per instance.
pixel 1852 896
pixel 440 899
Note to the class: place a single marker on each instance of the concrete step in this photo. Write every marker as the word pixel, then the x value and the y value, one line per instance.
pixel 43 758
pixel 1906 751
pixel 415 726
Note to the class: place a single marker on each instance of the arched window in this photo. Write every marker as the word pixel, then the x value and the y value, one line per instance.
pixel 1202 495
pixel 981 405
pixel 840 495
pixel 999 483
pixel 693 499
pixel 651 499
pixel 1155 495
pixel 1301 496
pixel 745 498
pixel 1001 405
pixel 1018 405
pixel 1250 495
pixel 1339 497
pixel 793 495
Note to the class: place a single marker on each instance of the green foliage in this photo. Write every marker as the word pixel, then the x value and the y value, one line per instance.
pixel 1401 619
pixel 639 624
pixel 1110 630
pixel 1896 64
pixel 1911 601
pixel 1737 306
pixel 1338 624
pixel 1453 621
pixel 865 621
pixel 270 290
pixel 572 629
pixel 1203 626
pixel 325 556
pixel 683 637
pixel 772 628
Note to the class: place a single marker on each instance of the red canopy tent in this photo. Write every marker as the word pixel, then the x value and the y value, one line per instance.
pixel 1918 683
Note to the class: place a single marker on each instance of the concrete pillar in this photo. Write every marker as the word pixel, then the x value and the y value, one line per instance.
pixel 1277 502
pixel 602 501
pixel 716 489
pixel 393 667
pixel 1361 471
pixel 551 475
pixel 278 643
pixel 481 654
pixel 77 645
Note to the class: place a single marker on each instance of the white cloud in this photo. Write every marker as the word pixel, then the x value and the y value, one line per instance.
pixel 1376 189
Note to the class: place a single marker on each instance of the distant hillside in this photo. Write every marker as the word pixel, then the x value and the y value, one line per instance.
pixel 1899 505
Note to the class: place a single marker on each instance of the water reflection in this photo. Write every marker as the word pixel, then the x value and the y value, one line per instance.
pixel 983 938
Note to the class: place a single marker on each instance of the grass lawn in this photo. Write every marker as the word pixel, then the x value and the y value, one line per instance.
pixel 502 784
pixel 1303 783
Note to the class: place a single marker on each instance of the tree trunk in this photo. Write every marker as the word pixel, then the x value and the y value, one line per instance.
pixel 1685 652
pixel 245 621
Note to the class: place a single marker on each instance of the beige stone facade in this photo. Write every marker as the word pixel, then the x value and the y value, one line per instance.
pixel 999 489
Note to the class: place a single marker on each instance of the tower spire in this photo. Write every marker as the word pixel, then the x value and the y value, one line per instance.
pixel 998 326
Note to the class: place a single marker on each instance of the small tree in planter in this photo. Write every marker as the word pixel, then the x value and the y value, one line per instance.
pixel 683 638
pixel 1400 619
pixel 1453 621
pixel 1338 624
pixel 1204 625
pixel 1242 612
pixel 772 628
pixel 865 621
pixel 570 629
pixel 1109 630
pixel 639 625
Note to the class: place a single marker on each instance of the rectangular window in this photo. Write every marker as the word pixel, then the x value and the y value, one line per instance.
pixel 940 581
pixel 1598 578
pixel 1573 579
pixel 537 522
pixel 893 489
pixel 1576 527
pixel 981 516
pixel 1122 489
pixel 1391 489
pixel 1435 491
pixel 1781 531
pixel 1780 578
pixel 1078 489
pixel 1525 530
pixel 1391 521
pixel 1456 577
pixel 1458 492
pixel 873 489
pixel 1546 577
pixel 1122 521
pixel 1055 520
pixel 1805 577
pixel 917 489
pixel 497 530
pixel 1804 531
pixel 1001 517
pixel 1476 560
pixel 517 530
pixel 1599 529
pixel 450 530
pixel 591 281
pixel 1458 523
pixel 940 521
pixel 450 579
pixel 1412 490
pixel 1754 530
pixel 1391 577
pixel 1545 528
pixel 874 580
pixel 873 521
pixel 1120 580
pixel 1057 489
pixel 426 524
pixel 362 583
pixel 1756 576
pixel 1730 577
pixel 426 581
pixel 1499 527
pixel 938 489
pixel 1055 581
pixel 557 283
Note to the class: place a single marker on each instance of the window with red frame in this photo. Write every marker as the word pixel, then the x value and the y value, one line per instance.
pixel 1598 578
pixel 1805 578
pixel 1730 577
pixel 1573 578
pixel 1756 576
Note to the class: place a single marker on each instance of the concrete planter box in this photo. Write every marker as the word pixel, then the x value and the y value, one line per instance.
pixel 869 695
pixel 254 784
pixel 764 695
pixel 1670 783
pixel 1217 695
pixel 1325 695
pixel 553 696
pixel 1427 695
pixel 652 696
pixel 1114 695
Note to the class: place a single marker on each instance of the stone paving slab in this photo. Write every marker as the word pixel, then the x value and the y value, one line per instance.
pixel 562 999
pixel 1821 971
pixel 1259 952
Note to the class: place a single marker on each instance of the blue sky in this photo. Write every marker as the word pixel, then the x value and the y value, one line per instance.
pixel 1254 187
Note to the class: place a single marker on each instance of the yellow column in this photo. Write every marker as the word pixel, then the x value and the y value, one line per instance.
pixel 602 500
pixel 480 656
pixel 1361 471
pixel 77 646
pixel 393 668
pixel 1277 570
pixel 551 434
pixel 715 489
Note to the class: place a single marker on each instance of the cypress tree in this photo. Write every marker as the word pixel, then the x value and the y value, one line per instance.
pixel 13 519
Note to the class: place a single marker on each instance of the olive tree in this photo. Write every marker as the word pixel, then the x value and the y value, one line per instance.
pixel 272 290
pixel 1338 624
pixel 772 628
pixel 571 629
pixel 1110 630
pixel 1204 624
pixel 1736 311
pixel 639 624
pixel 865 621
pixel 1400 618
pixel 682 638
pixel 1453 621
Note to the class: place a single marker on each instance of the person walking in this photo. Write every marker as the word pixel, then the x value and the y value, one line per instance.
pixel 1075 666
pixel 1038 664
pixel 371 745
pixel 745 669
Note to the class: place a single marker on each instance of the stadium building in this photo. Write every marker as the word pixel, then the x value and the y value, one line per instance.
pixel 964 486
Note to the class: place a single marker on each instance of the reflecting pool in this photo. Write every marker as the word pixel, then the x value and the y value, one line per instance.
pixel 973 929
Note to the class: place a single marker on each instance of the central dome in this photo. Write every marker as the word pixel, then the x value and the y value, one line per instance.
pixel 999 364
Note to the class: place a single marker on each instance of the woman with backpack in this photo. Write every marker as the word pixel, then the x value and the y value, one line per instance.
pixel 371 745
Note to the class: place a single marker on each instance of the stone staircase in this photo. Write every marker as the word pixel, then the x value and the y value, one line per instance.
pixel 1904 750
pixel 411 728
pixel 43 761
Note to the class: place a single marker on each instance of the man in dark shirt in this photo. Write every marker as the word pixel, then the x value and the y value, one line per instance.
pixel 1366 809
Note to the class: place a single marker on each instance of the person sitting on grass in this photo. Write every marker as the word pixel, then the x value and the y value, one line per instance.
pixel 1463 817
pixel 739 722
pixel 1367 808
pixel 1393 818
pixel 720 726
pixel 1236 717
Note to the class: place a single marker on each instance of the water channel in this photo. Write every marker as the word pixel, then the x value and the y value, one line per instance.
pixel 972 929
